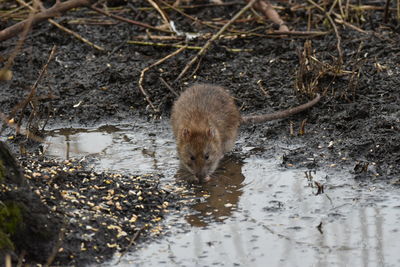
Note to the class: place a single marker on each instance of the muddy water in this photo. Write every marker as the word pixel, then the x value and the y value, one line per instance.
pixel 257 214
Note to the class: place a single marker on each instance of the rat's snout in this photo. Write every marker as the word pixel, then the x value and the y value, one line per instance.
pixel 202 176
pixel 203 179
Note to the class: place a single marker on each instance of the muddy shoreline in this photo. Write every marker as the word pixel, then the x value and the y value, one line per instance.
pixel 356 125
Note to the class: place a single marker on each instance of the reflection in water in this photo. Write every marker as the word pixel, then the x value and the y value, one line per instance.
pixel 71 142
pixel 271 218
pixel 136 149
pixel 223 193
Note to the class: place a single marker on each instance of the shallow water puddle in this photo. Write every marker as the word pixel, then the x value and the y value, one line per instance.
pixel 136 149
pixel 257 214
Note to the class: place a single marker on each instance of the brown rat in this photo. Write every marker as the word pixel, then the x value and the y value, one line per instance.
pixel 205 122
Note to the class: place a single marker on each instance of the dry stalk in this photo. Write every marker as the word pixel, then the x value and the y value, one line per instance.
pixel 168 86
pixel 76 35
pixel 13 125
pixel 55 10
pixel 386 11
pixel 302 129
pixel 11 12
pixel 137 23
pixel 351 26
pixel 328 16
pixel 7 260
pixel 56 248
pixel 5 72
pixel 187 15
pixel 131 242
pixel 212 4
pixel 141 79
pixel 32 93
pixel 185 46
pixel 398 10
pixel 214 37
pixel 162 13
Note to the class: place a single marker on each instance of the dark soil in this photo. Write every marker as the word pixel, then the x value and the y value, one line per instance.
pixel 356 124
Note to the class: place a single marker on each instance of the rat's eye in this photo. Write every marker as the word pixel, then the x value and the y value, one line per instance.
pixel 207 156
pixel 192 158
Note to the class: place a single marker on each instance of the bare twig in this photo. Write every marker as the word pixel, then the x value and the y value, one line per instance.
pixel 7 260
pixel 214 37
pixel 168 86
pixel 210 4
pixel 137 23
pixel 235 35
pixel 151 66
pixel 56 9
pixel 302 129
pixel 398 9
pixel 5 72
pixel 386 12
pixel 328 16
pixel 54 253
pixel 163 45
pixel 13 125
pixel 162 13
pixel 8 14
pixel 34 87
pixel 307 34
pixel 21 258
pixel 351 26
pixel 131 242
pixel 185 46
pixel 187 15
pixel 76 35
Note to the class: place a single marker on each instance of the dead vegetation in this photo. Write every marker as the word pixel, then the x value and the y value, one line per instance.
pixel 252 21
pixel 170 24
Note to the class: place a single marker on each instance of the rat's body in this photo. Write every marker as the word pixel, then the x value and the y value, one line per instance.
pixel 205 122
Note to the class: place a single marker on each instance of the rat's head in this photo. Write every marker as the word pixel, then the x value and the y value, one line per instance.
pixel 200 151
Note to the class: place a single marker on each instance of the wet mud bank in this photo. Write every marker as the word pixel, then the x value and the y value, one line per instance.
pixel 351 139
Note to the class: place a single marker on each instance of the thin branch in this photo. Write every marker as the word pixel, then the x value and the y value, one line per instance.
pixel 214 37
pixel 13 125
pixel 176 9
pixel 56 248
pixel 8 14
pixel 34 87
pixel 134 22
pixel 398 9
pixel 236 35
pixel 5 72
pixel 328 16
pixel 185 46
pixel 132 241
pixel 386 12
pixel 147 97
pixel 76 35
pixel 55 10
pixel 168 86
pixel 162 13
pixel 351 26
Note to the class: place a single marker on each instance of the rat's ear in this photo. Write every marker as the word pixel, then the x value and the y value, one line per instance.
pixel 210 132
pixel 185 133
